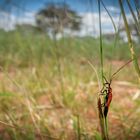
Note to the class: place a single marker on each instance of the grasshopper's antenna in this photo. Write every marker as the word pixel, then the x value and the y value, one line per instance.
pixel 121 68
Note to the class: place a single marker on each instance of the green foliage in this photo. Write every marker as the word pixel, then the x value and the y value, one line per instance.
pixel 19 49
pixel 98 136
pixel 6 94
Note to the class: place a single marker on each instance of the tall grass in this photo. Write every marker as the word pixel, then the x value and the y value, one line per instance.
pixel 40 82
pixel 130 42
pixel 101 116
pixel 36 71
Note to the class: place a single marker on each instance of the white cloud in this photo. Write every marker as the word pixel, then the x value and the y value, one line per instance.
pixel 90 23
pixel 9 21
pixel 28 17
pixel 6 21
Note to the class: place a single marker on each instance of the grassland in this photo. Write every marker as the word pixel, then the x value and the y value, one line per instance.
pixel 48 90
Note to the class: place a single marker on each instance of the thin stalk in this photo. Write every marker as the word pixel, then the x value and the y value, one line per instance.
pixel 57 53
pixel 115 29
pixel 131 45
pixel 109 16
pixel 58 64
pixel 134 17
pixel 101 43
pixel 102 118
pixel 115 43
pixel 137 5
pixel 58 60
pixel 78 128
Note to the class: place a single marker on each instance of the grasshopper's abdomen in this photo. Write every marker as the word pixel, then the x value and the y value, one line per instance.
pixel 108 101
pixel 109 96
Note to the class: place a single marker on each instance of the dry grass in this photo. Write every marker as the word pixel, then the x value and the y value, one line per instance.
pixel 31 102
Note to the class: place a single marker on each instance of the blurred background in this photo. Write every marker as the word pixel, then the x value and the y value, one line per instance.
pixel 50 71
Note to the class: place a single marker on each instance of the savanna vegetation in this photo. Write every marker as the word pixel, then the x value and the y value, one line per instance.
pixel 49 87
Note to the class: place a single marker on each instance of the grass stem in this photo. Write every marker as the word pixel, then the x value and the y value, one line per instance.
pixel 131 45
pixel 101 43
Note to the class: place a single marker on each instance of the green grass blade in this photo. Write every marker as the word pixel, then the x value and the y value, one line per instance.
pixel 134 17
pixel 7 94
pixel 131 45
pixel 101 43
pixel 109 16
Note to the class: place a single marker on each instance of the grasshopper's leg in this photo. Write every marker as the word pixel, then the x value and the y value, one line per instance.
pixel 104 92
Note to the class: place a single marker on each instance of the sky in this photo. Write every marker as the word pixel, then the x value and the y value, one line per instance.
pixel 78 5
pixel 23 11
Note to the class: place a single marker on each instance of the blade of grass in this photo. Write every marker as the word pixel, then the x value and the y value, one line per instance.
pixel 116 32
pixel 94 69
pixel 137 5
pixel 115 43
pixel 101 43
pixel 78 128
pixel 101 116
pixel 134 17
pixel 109 16
pixel 131 45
